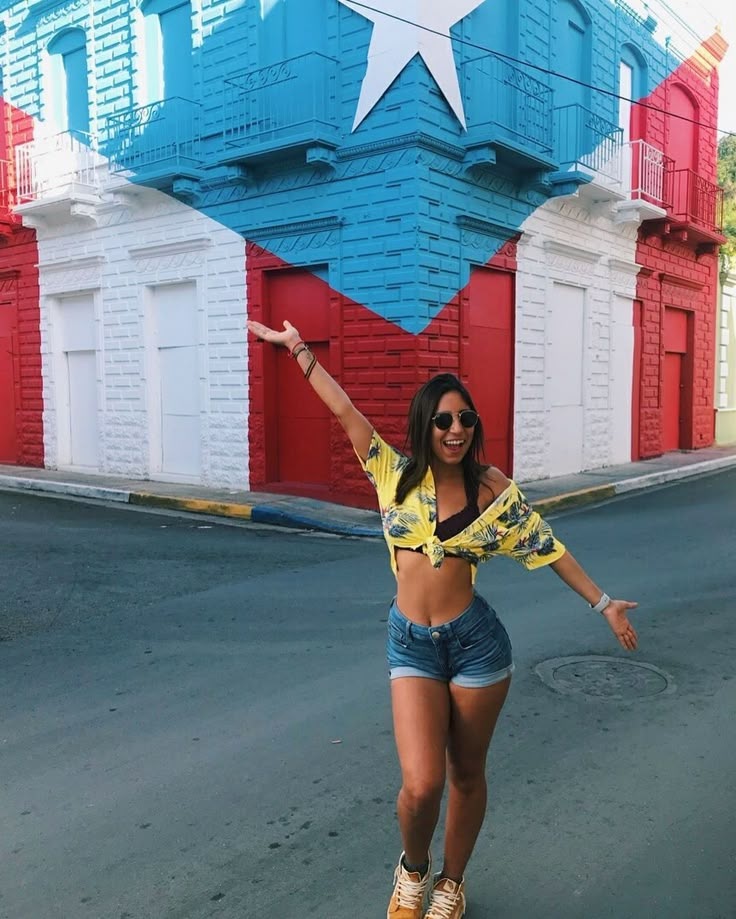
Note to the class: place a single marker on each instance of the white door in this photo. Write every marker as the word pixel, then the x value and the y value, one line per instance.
pixel 78 413
pixel 621 378
pixel 177 424
pixel 565 344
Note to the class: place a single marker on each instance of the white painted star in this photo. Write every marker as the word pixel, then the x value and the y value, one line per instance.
pixel 403 29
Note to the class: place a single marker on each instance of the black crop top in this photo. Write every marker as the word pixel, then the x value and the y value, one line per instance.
pixel 451 526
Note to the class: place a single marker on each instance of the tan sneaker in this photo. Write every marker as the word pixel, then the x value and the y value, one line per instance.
pixel 448 900
pixel 410 888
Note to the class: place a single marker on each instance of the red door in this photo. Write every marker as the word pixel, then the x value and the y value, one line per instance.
pixel 671 401
pixel 675 345
pixel 488 358
pixel 297 421
pixel 8 430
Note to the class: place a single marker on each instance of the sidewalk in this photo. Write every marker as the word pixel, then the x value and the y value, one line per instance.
pixel 546 495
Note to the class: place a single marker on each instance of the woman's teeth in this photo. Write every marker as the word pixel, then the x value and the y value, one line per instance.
pixel 454 443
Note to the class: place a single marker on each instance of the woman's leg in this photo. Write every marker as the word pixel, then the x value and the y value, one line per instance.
pixel 473 716
pixel 421 710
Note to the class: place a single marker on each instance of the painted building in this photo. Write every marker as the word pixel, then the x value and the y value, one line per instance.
pixel 455 197
pixel 725 389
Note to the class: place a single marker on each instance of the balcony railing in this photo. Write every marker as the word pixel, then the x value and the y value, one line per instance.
pixel 697 201
pixel 290 103
pixel 163 138
pixel 7 189
pixel 506 104
pixel 59 166
pixel 648 173
pixel 587 143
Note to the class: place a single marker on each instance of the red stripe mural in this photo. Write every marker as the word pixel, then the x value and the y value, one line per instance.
pixel 21 405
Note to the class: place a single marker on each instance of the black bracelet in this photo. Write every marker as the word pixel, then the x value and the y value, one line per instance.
pixel 308 371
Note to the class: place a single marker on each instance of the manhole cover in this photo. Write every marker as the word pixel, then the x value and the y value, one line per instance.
pixel 605 677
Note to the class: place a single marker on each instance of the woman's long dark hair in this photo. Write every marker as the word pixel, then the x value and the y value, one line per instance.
pixel 419 437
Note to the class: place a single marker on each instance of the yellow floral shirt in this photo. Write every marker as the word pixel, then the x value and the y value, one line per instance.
pixel 508 526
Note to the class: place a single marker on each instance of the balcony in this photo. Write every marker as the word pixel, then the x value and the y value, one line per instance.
pixel 159 144
pixel 509 113
pixel 8 220
pixel 697 208
pixel 57 176
pixel 291 107
pixel 647 180
pixel 589 151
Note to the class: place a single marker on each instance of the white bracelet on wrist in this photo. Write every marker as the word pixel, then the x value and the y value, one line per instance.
pixel 601 604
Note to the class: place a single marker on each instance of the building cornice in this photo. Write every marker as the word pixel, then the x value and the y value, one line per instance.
pixel 294 228
pixel 415 139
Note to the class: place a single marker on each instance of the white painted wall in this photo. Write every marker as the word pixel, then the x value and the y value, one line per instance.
pixel 144 244
pixel 576 282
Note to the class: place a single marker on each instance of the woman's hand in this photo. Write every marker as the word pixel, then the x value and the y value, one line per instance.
pixel 615 614
pixel 288 338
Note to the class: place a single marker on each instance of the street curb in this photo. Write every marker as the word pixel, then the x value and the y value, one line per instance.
pixel 278 516
pixel 192 505
pixel 75 489
pixel 574 498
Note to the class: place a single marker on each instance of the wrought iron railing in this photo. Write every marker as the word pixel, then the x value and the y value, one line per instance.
pixel 54 166
pixel 648 173
pixel 276 102
pixel 584 140
pixel 697 201
pixel 503 97
pixel 7 189
pixel 164 135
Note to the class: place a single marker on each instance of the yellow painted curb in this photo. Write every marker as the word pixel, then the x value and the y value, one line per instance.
pixel 575 498
pixel 193 505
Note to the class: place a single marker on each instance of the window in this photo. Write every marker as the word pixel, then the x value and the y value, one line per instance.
pixel 167 50
pixel 68 94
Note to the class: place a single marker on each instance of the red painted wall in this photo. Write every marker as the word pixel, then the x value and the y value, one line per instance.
pixel 19 290
pixel 679 267
pixel 378 364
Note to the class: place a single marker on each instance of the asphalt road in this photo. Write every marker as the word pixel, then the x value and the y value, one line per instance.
pixel 194 720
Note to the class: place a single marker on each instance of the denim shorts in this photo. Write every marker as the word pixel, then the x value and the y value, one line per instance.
pixel 472 650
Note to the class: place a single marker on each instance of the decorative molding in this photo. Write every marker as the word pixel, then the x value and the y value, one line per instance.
pixel 50 10
pixel 487 227
pixel 554 247
pixel 71 275
pixel 675 280
pixel 622 267
pixel 295 228
pixel 164 250
pixel 77 264
pixel 415 139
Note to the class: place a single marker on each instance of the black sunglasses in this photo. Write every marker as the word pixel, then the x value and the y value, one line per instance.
pixel 443 420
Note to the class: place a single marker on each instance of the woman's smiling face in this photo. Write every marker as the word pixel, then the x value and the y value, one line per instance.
pixel 451 446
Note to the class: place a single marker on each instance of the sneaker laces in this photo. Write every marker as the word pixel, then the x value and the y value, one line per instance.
pixel 444 903
pixel 410 893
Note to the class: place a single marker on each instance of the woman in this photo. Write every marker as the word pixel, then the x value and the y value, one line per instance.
pixel 449 655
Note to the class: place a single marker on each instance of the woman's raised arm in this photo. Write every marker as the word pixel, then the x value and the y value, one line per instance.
pixel 356 425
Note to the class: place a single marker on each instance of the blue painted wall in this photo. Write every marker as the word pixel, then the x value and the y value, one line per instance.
pixel 394 193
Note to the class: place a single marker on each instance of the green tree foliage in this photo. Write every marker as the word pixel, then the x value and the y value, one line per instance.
pixel 727 178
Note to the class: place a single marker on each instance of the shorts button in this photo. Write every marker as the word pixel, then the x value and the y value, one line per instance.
pixel 435 634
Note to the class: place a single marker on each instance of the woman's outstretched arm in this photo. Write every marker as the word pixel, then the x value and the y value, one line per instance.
pixel 356 425
pixel 615 612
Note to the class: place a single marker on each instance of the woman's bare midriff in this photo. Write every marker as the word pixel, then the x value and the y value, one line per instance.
pixel 431 596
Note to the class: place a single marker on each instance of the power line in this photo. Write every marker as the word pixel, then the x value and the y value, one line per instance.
pixel 545 70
